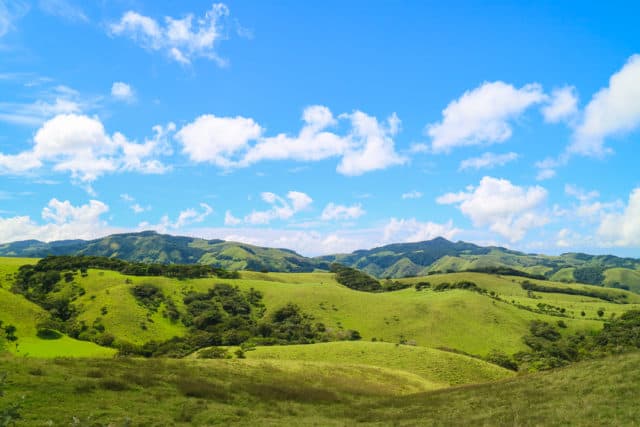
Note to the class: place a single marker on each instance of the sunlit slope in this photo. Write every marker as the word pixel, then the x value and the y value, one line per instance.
pixel 623 276
pixel 24 315
pixel 437 366
pixel 456 319
pixel 595 393
pixel 280 392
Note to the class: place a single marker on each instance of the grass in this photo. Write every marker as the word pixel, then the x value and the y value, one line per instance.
pixel 188 392
pixel 624 276
pixel 439 367
pixel 268 393
pixel 457 319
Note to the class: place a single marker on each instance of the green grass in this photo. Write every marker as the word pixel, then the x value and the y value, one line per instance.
pixel 624 276
pixel 439 367
pixel 24 315
pixel 197 392
pixel 457 319
pixel 269 393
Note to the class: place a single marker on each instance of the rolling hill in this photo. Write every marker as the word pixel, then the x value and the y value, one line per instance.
pixel 396 260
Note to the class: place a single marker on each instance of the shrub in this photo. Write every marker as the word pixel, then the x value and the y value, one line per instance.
pixel 214 353
pixel 48 334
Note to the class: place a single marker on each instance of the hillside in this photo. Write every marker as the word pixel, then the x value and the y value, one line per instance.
pixel 105 309
pixel 151 247
pixel 396 260
pixel 270 392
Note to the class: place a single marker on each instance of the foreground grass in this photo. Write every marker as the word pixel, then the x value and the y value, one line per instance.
pixel 191 392
pixel 249 392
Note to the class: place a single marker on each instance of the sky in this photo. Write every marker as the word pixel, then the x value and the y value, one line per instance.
pixel 323 127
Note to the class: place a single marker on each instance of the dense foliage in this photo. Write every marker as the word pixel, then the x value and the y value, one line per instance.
pixel 227 316
pixel 593 293
pixel 550 349
pixel 355 279
pixel 593 275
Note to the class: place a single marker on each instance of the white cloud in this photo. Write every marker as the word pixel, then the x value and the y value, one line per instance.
pixel 239 142
pixel 488 161
pixel 216 139
pixel 63 9
pixel 182 40
pixel 371 145
pixel 482 115
pixel 137 208
pixel 52 102
pixel 79 144
pixel 62 221
pixel 412 195
pixel 563 105
pixel 334 212
pixel 186 217
pixel 281 208
pixel 10 12
pixel 122 92
pixel 412 230
pixel 623 228
pixel 612 110
pixel 229 219
pixel 507 209
pixel 544 174
pixel 579 193
pixel 313 142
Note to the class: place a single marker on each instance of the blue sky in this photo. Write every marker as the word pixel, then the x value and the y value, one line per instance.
pixel 323 126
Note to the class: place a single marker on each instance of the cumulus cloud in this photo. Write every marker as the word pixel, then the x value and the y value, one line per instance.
pixel 563 105
pixel 488 161
pixel 622 228
pixel 62 220
pixel 334 212
pixel 122 92
pixel 79 145
pixel 281 207
pixel 412 195
pixel 482 115
pixel 612 111
pixel 181 39
pixel 235 142
pixel 412 230
pixel 217 139
pixel 505 208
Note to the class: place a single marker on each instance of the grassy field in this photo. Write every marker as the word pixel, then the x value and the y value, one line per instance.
pixel 268 393
pixel 439 367
pixel 624 276
pixel 456 319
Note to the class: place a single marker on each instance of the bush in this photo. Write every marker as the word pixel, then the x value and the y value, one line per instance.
pixel 48 334
pixel 501 359
pixel 214 353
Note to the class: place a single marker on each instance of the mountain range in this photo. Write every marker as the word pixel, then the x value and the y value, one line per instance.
pixel 390 261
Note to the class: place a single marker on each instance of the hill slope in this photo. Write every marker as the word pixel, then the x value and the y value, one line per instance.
pixel 396 260
pixel 246 392
pixel 151 247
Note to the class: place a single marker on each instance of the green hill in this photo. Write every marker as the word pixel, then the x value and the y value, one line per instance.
pixel 151 247
pixel 437 366
pixel 396 260
pixel 268 392
pixel 104 306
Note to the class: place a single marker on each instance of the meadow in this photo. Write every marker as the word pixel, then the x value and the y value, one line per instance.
pixel 422 354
